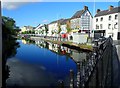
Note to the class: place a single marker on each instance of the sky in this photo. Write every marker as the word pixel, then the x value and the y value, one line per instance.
pixel 35 13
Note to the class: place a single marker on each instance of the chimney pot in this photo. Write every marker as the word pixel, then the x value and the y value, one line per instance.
pixel 98 10
pixel 110 7
pixel 85 8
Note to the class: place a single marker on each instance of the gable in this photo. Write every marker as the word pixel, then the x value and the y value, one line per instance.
pixel 86 13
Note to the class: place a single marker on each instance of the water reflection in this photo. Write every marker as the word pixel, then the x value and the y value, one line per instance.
pixel 36 61
pixel 76 55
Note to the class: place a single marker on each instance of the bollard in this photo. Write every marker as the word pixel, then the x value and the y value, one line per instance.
pixel 71 79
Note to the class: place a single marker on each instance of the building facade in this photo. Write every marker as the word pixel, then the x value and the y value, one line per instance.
pixel 106 23
pixel 64 25
pixel 41 30
pixel 26 28
pixel 81 21
pixel 53 27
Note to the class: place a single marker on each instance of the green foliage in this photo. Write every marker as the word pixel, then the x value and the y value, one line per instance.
pixel 46 29
pixel 69 30
pixel 9 44
pixel 9 31
pixel 9 23
pixel 59 29
pixel 52 32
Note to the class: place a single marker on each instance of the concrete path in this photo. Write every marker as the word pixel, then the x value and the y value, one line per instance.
pixel 116 64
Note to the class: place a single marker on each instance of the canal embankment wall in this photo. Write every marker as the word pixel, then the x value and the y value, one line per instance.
pixel 68 44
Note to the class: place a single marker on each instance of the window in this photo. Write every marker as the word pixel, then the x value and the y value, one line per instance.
pixel 97 27
pixel 97 20
pixel 116 16
pixel 109 26
pixel 115 25
pixel 101 26
pixel 101 19
pixel 109 17
pixel 86 14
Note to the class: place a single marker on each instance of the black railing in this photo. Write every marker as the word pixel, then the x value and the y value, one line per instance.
pixel 97 70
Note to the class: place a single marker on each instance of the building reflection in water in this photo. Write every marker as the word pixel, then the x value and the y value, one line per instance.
pixel 24 41
pixel 77 56
pixel 80 58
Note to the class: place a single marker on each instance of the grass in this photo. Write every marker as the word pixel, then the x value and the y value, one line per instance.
pixel 81 46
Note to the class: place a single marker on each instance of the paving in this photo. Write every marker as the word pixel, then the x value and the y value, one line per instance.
pixel 116 64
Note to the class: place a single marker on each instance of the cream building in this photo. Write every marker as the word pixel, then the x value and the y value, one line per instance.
pixel 53 27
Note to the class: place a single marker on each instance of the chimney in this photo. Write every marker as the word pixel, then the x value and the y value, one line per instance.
pixel 98 10
pixel 85 8
pixel 110 7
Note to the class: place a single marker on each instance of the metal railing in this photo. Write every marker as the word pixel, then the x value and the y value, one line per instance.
pixel 97 70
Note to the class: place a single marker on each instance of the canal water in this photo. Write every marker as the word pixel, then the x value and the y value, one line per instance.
pixel 40 63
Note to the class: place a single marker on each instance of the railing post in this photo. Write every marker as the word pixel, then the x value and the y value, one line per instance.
pixel 83 73
pixel 61 84
pixel 78 75
pixel 71 79
pixel 97 77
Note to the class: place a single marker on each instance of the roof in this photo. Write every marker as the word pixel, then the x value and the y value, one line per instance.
pixel 106 12
pixel 78 14
pixel 60 20
pixel 64 21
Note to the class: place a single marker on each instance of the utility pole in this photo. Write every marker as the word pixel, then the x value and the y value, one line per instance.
pixel 92 33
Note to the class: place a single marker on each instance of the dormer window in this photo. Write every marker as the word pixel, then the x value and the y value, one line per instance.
pixel 109 17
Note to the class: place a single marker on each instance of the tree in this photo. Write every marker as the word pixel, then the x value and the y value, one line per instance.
pixel 52 32
pixel 46 29
pixel 33 31
pixel 8 34
pixel 9 43
pixel 68 29
pixel 59 29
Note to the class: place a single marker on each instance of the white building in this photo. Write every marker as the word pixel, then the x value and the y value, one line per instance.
pixel 26 28
pixel 41 30
pixel 106 23
pixel 64 24
pixel 53 27
pixel 81 21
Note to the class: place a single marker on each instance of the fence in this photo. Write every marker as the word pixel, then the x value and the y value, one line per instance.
pixel 97 70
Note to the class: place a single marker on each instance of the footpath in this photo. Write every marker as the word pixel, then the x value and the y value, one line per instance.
pixel 116 64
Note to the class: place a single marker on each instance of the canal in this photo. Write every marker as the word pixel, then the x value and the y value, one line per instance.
pixel 40 63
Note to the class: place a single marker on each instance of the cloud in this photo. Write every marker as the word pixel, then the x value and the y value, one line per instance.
pixel 14 4
pixel 45 21
pixel 11 5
